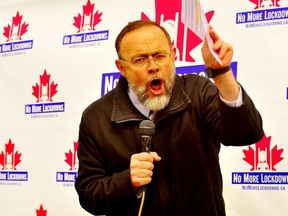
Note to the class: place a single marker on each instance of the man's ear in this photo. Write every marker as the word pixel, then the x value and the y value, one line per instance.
pixel 174 51
pixel 120 67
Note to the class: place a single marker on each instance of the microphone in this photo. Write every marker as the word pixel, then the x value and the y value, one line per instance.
pixel 147 130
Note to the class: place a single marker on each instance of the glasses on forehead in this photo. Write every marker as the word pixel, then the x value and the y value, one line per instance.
pixel 141 61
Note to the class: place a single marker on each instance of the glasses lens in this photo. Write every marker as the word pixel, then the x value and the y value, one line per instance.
pixel 161 58
pixel 140 61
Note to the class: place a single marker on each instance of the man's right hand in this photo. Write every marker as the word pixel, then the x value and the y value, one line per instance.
pixel 141 168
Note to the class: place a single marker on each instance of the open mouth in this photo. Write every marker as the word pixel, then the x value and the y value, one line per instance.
pixel 156 86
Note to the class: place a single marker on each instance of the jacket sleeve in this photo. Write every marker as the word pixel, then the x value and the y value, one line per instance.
pixel 100 192
pixel 239 126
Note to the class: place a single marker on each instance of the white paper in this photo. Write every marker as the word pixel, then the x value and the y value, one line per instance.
pixel 194 18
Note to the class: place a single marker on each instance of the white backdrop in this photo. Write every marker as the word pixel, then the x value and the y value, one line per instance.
pixel 49 74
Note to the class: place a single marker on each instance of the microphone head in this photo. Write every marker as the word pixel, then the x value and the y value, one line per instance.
pixel 147 128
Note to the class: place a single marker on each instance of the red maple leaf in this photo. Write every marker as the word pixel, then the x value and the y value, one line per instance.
pixel 44 91
pixel 93 19
pixel 263 158
pixel 273 3
pixel 9 150
pixel 41 211
pixel 16 23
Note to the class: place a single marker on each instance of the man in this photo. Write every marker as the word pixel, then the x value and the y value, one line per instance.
pixel 192 116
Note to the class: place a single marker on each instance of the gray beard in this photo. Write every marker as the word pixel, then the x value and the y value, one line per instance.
pixel 156 103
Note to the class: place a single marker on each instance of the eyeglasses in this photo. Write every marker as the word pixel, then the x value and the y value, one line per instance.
pixel 160 58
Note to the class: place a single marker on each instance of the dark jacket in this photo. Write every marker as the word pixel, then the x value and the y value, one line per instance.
pixel 187 180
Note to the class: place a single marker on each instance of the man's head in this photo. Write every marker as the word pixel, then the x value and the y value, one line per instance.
pixel 146 60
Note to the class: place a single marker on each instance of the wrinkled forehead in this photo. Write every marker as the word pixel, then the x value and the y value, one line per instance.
pixel 148 38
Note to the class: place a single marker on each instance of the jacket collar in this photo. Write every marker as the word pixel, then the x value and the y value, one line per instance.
pixel 124 110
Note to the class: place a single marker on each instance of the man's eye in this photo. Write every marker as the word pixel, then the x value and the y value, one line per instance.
pixel 139 60
pixel 160 56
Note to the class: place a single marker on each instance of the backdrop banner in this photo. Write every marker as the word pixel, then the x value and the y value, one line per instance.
pixel 57 57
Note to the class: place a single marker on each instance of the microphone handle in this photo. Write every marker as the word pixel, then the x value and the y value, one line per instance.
pixel 146 143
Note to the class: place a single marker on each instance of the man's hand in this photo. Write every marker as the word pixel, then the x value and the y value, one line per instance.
pixel 226 83
pixel 141 168
pixel 223 49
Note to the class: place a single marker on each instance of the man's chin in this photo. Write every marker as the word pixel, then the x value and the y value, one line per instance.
pixel 157 103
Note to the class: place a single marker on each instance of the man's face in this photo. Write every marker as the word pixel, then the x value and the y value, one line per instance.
pixel 151 81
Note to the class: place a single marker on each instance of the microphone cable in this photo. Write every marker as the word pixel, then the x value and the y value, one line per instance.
pixel 142 203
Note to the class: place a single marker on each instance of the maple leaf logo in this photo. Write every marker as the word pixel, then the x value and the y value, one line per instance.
pixel 45 91
pixel 263 158
pixel 41 211
pixel 71 157
pixel 88 20
pixel 168 14
pixel 265 3
pixel 16 30
pixel 9 159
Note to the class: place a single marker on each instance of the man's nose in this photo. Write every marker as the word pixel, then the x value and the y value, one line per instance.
pixel 152 65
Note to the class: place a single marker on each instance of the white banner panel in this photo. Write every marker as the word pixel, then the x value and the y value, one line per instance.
pixel 56 57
